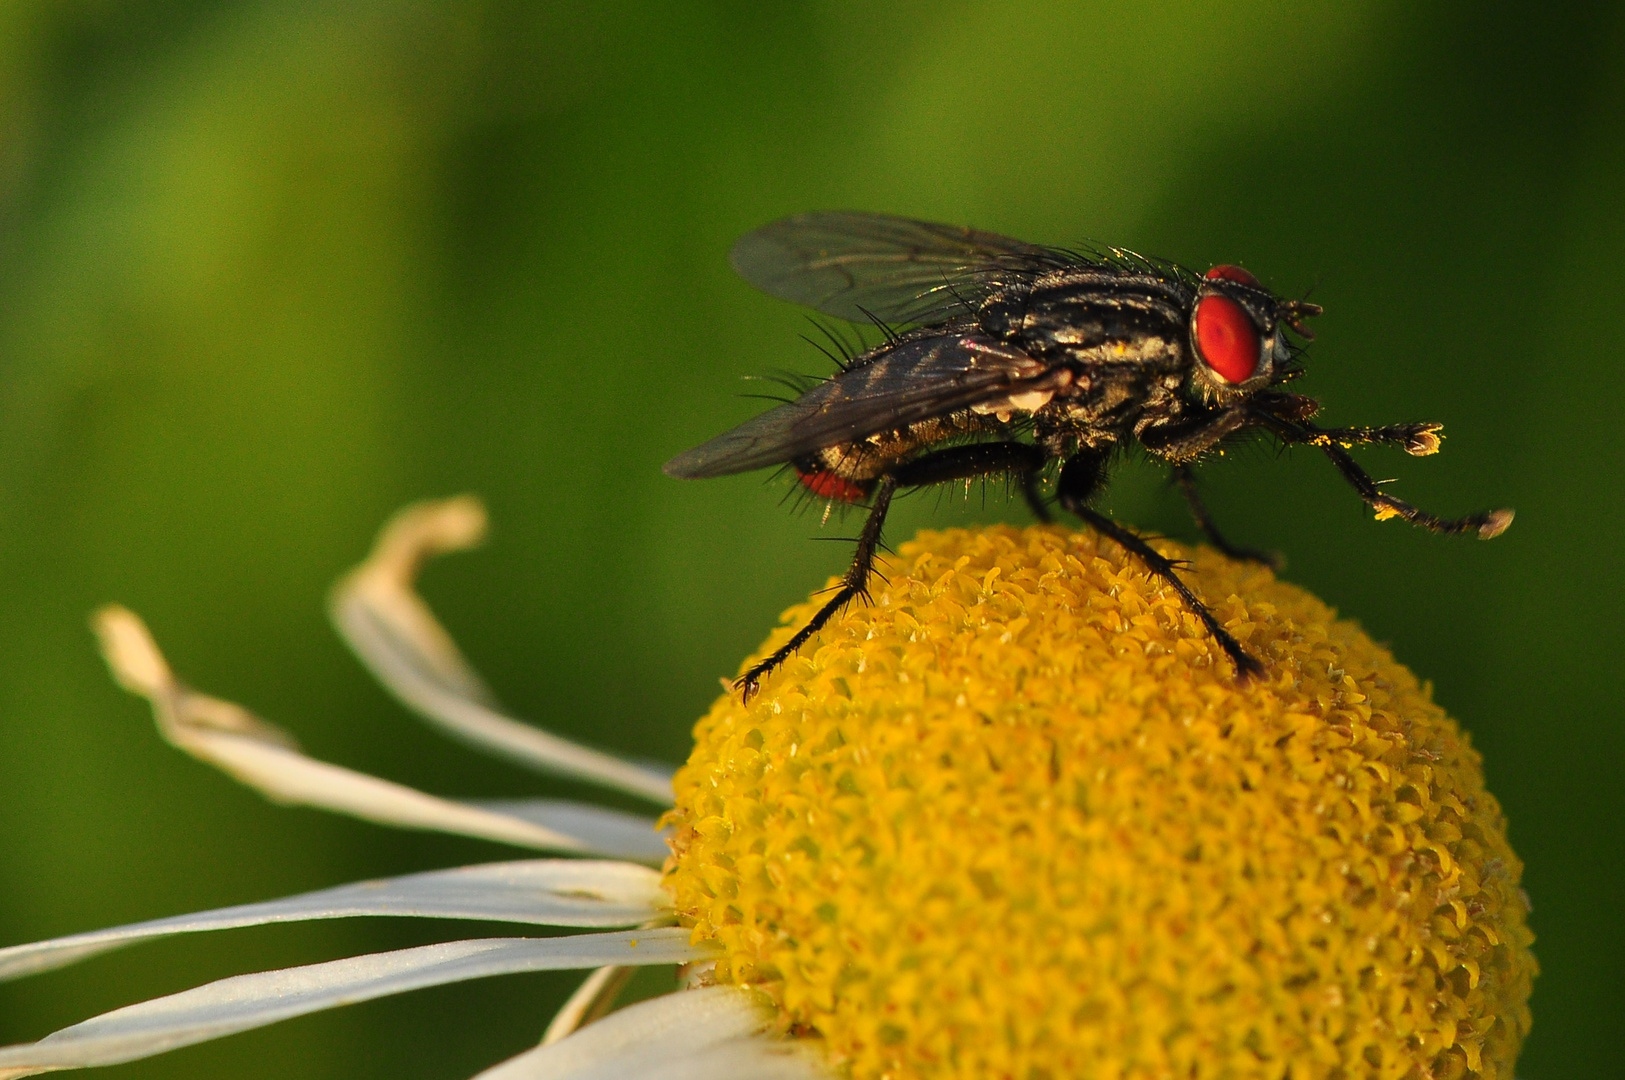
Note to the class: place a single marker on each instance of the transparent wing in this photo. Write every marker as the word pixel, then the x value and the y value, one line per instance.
pixel 858 266
pixel 917 379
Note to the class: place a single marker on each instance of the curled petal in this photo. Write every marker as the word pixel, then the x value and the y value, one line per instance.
pixel 718 1031
pixel 378 611
pixel 543 892
pixel 267 759
pixel 251 1001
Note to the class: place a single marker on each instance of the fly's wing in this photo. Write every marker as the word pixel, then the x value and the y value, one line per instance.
pixel 917 379
pixel 858 266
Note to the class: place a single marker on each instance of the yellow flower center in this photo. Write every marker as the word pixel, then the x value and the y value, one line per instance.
pixel 1016 820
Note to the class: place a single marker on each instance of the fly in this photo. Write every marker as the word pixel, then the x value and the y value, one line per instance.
pixel 1012 356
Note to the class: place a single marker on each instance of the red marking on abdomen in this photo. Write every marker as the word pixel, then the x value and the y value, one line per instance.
pixel 828 485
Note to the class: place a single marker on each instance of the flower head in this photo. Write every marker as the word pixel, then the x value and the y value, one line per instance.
pixel 1016 819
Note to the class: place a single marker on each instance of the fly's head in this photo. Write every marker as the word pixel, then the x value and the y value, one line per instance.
pixel 1237 335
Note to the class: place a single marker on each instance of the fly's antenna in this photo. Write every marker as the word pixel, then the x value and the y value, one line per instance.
pixel 1295 311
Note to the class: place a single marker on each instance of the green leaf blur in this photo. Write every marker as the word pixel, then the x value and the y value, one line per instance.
pixel 269 270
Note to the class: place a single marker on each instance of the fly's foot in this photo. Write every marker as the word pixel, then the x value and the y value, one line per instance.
pixel 1248 666
pixel 1495 523
pixel 751 681
pixel 1423 440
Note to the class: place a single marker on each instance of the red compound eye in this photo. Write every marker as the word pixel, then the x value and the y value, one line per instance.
pixel 1226 337
pixel 1232 273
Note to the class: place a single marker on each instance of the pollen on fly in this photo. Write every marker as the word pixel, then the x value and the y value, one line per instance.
pixel 1002 358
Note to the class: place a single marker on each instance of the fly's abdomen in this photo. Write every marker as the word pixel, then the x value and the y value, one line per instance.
pixel 847 472
pixel 829 484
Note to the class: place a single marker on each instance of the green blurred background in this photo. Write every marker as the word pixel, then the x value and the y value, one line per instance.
pixel 269 270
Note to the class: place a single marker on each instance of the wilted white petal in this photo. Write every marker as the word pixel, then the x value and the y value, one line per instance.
pixel 266 758
pixel 591 1001
pixel 250 1001
pixel 716 1033
pixel 544 892
pixel 291 777
pixel 605 831
pixel 378 611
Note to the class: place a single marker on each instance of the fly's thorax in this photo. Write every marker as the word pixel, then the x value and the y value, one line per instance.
pixel 1061 433
pixel 1091 308
pixel 1114 382
pixel 1109 413
pixel 1111 335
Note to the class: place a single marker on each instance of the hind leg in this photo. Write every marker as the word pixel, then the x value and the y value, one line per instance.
pixel 853 585
pixel 955 463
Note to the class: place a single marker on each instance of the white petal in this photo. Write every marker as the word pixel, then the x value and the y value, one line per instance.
pixel 544 892
pixel 291 777
pixel 607 832
pixel 717 1033
pixel 251 1001
pixel 266 758
pixel 757 1058
pixel 378 611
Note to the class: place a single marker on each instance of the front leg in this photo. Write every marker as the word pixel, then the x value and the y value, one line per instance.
pixel 1081 478
pixel 1487 525
pixel 1294 411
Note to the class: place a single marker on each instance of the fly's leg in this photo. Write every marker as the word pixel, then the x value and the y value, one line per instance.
pixel 1417 440
pixel 1035 497
pixel 973 460
pixel 1187 441
pixel 853 585
pixel 1288 415
pixel 955 463
pixel 1246 664
pixel 1081 478
pixel 1186 479
pixel 1487 525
